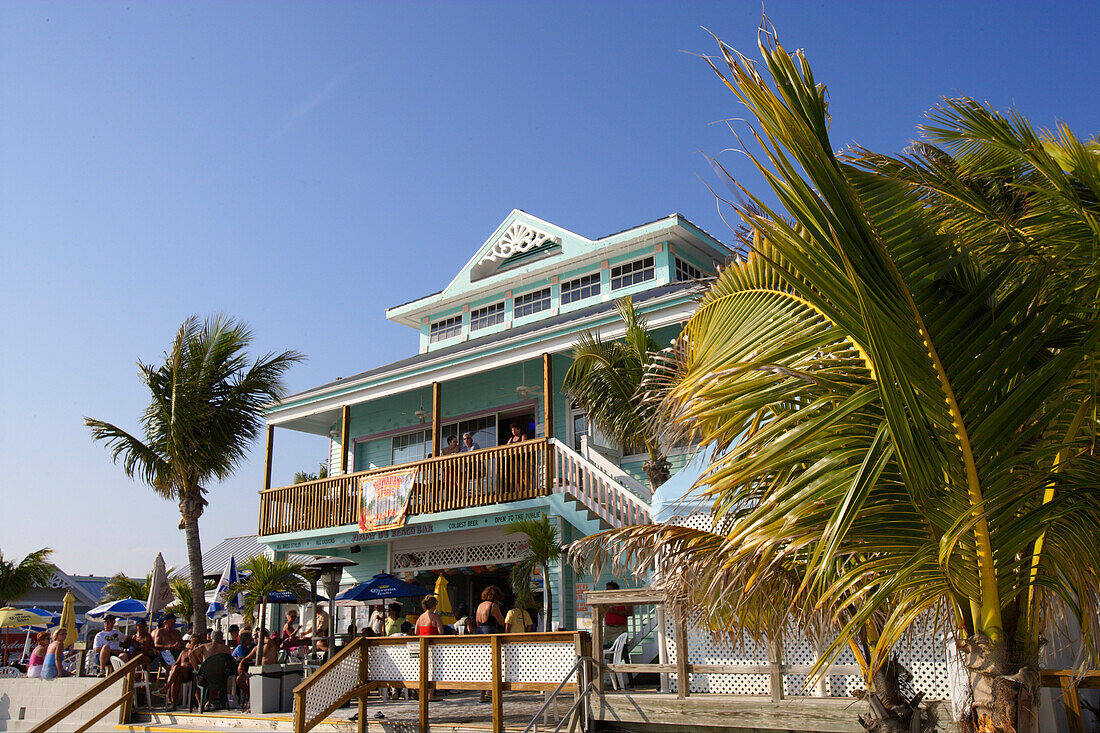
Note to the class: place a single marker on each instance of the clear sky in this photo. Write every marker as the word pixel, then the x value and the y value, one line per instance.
pixel 303 166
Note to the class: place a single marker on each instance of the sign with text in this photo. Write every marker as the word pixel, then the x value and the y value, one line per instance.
pixel 581 608
pixel 383 499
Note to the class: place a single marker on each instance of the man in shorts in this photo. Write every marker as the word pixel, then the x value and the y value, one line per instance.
pixel 107 644
pixel 168 640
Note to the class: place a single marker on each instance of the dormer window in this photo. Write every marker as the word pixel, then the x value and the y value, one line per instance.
pixel 490 315
pixel 687 271
pixel 632 273
pixel 580 288
pixel 445 329
pixel 531 303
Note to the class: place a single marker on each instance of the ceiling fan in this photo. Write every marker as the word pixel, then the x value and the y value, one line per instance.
pixel 525 390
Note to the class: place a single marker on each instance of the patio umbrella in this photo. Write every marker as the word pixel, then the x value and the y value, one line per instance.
pixel 223 603
pixel 160 594
pixel 68 617
pixel 380 586
pixel 443 607
pixel 282 596
pixel 11 618
pixel 125 608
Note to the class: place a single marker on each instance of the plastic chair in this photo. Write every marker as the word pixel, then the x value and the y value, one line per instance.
pixel 11 672
pixel 141 681
pixel 614 655
pixel 213 676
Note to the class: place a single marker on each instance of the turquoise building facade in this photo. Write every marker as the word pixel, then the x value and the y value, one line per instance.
pixel 494 345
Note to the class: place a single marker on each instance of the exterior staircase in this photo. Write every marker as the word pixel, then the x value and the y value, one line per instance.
pixel 595 491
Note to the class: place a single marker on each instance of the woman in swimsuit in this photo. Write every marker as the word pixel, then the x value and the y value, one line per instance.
pixel 429 623
pixel 55 653
pixel 38 654
pixel 489 618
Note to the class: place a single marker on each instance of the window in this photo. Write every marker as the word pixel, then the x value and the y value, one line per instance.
pixel 445 329
pixel 410 447
pixel 531 303
pixel 483 430
pixel 632 273
pixel 490 315
pixel 581 288
pixel 687 271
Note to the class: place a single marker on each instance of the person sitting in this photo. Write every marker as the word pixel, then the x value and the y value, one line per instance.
pixel 469 444
pixel 38 654
pixel 142 644
pixel 291 635
pixel 107 644
pixel 464 622
pixel 393 620
pixel 216 645
pixel 234 635
pixel 319 631
pixel 52 663
pixel 452 446
pixel 168 640
pixel 429 623
pixel 245 645
pixel 270 656
pixel 183 671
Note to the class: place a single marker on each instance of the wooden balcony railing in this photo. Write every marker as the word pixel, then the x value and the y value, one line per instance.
pixel 479 478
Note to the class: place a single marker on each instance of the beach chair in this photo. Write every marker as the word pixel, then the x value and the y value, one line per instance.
pixel 11 672
pixel 614 655
pixel 212 677
pixel 141 681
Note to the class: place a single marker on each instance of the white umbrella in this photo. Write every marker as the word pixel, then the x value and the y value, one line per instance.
pixel 160 594
pixel 223 603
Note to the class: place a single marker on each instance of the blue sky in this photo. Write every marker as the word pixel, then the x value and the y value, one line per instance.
pixel 303 166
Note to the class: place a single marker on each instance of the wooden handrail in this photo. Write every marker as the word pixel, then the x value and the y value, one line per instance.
pixel 1069 681
pixel 476 478
pixel 300 723
pixel 126 670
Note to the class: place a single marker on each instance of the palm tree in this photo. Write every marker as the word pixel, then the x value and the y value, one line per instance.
pixel 204 414
pixel 303 477
pixel 120 586
pixel 605 379
pixel 543 548
pixel 906 419
pixel 16 580
pixel 184 605
pixel 262 576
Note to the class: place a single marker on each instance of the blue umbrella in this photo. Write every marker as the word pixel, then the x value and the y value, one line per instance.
pixel 223 603
pixel 126 608
pixel 381 586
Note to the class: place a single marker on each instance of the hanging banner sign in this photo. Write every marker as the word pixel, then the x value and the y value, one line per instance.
pixel 383 499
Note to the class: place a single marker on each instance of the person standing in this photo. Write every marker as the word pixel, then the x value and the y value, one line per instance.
pixel 615 621
pixel 518 620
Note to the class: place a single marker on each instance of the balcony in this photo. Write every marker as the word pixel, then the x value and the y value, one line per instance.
pixel 484 477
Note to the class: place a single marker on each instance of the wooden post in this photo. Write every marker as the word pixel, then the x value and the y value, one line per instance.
pixel 498 684
pixel 597 644
pixel 1072 704
pixel 437 417
pixel 345 437
pixel 682 679
pixel 267 459
pixel 364 658
pixel 548 394
pixel 300 710
pixel 128 698
pixel 424 684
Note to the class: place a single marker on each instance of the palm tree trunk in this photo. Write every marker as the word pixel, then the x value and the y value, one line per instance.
pixel 657 468
pixel 259 632
pixel 1002 701
pixel 190 510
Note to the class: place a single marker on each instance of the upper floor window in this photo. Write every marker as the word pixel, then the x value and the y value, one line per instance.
pixel 490 315
pixel 445 329
pixel 410 447
pixel 632 273
pixel 687 271
pixel 525 305
pixel 580 288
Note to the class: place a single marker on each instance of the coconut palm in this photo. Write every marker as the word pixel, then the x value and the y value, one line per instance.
pixel 605 378
pixel 906 421
pixel 261 576
pixel 302 477
pixel 204 414
pixel 16 579
pixel 543 548
pixel 120 586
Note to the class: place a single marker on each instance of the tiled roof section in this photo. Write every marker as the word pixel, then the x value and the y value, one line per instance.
pixel 242 548
pixel 545 324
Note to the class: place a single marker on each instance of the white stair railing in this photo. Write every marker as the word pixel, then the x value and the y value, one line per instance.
pixel 598 492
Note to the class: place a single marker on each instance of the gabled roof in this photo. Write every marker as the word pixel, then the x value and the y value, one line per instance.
pixel 242 547
pixel 524 246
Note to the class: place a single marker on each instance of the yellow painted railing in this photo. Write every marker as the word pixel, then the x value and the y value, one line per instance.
pixel 478 478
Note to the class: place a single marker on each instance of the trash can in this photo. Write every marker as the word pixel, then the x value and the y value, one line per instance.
pixel 264 688
pixel 291 678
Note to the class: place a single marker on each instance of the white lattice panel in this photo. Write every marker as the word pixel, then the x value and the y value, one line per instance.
pixel 461 663
pixel 492 552
pixel 392 662
pixel 798 651
pixel 923 656
pixel 446 556
pixel 703 648
pixel 537 662
pixel 334 685
pixel 842 685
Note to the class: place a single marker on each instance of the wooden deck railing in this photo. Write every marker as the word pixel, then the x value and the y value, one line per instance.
pixel 478 478
pixel 123 703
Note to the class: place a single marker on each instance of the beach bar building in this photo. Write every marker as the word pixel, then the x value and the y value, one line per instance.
pixel 494 346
